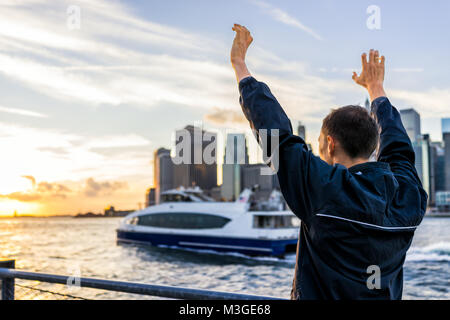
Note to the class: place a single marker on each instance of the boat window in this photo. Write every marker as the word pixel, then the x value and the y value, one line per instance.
pixel 175 198
pixel 183 220
pixel 203 197
pixel 275 222
pixel 132 221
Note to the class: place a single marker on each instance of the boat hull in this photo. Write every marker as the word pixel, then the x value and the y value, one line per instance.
pixel 248 246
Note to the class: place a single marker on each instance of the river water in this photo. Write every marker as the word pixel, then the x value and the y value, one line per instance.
pixel 88 247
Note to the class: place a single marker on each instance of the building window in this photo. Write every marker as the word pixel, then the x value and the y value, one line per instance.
pixel 183 221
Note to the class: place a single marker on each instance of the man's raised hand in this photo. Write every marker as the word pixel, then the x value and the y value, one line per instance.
pixel 241 42
pixel 372 74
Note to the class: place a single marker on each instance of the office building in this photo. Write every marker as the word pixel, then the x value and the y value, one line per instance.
pixel 110 211
pixel 251 177
pixel 163 172
pixel 446 140
pixel 443 201
pixel 236 155
pixel 150 197
pixel 196 163
pixel 424 165
pixel 411 122
pixel 445 125
pixel 367 104
pixel 301 131
pixel 438 157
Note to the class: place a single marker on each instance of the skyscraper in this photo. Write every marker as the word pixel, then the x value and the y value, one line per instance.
pixel 424 165
pixel 150 197
pixel 301 131
pixel 446 125
pixel 163 170
pixel 193 144
pixel 411 122
pixel 251 176
pixel 439 165
pixel 446 139
pixel 235 155
pixel 367 104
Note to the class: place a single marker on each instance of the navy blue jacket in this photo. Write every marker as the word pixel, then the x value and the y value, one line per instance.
pixel 354 220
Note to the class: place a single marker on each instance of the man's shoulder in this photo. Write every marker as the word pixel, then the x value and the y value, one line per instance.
pixel 374 197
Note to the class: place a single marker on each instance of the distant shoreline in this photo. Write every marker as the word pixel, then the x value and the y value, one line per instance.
pixel 428 215
pixel 438 215
pixel 56 216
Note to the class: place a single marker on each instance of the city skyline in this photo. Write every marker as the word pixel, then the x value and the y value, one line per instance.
pixel 83 110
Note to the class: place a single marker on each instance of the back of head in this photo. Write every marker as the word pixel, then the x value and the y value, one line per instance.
pixel 354 128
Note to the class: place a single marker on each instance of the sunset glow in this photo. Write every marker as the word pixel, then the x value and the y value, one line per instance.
pixel 83 109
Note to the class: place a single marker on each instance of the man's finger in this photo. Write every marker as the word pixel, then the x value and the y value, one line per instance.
pixel 371 56
pixel 376 56
pixel 364 59
pixel 382 60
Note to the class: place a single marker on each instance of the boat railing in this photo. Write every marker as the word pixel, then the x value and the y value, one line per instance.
pixel 8 285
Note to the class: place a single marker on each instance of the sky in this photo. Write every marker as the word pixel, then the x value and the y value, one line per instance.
pixel 86 99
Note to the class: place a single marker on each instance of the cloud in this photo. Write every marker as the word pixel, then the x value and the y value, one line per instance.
pixel 407 70
pixel 39 191
pixel 226 117
pixel 118 141
pixel 31 178
pixel 93 188
pixel 431 103
pixel 283 17
pixel 22 112
pixel 55 188
pixel 350 70
pixel 54 150
pixel 45 191
pixel 92 65
pixel 22 196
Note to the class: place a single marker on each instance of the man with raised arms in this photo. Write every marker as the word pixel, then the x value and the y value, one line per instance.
pixel 358 217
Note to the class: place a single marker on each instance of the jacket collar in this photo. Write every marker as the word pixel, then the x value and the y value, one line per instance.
pixel 371 165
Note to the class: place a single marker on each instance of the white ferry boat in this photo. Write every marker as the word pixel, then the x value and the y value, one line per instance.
pixel 186 218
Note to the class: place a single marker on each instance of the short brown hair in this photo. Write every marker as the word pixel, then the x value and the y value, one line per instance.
pixel 355 130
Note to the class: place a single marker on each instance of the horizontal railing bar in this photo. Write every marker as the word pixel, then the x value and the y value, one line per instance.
pixel 133 287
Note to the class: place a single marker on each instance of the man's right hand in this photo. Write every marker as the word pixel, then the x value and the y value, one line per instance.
pixel 372 74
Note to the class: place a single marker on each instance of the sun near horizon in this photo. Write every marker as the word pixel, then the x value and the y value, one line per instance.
pixel 25 196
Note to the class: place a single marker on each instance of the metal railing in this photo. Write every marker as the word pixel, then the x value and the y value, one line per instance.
pixel 8 274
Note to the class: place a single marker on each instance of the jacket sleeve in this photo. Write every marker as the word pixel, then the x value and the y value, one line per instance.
pixel 395 146
pixel 305 180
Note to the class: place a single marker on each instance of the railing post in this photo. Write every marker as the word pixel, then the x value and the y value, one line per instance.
pixel 7 284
